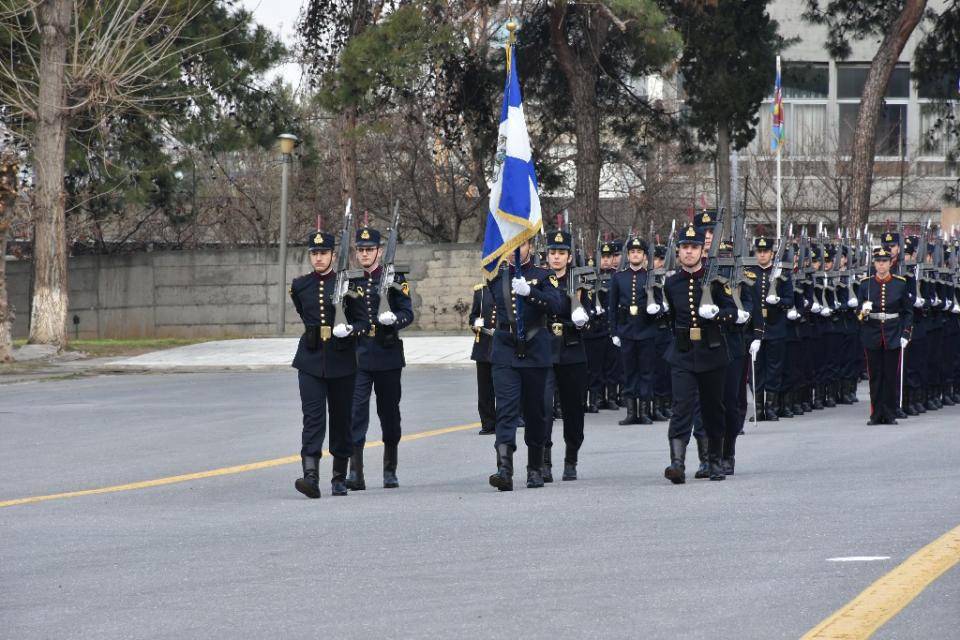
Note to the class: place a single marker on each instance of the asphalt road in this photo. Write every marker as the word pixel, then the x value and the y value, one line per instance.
pixel 620 553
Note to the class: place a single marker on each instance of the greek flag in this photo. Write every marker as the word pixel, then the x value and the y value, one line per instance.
pixel 513 216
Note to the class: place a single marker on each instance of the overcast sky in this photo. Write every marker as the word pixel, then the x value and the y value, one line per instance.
pixel 280 16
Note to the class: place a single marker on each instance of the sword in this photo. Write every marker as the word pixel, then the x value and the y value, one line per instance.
pixel 753 385
pixel 902 352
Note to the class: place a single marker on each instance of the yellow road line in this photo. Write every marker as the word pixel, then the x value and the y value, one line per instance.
pixel 886 597
pixel 212 473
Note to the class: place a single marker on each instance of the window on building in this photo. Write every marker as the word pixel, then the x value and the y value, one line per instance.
pixel 852 77
pixel 805 88
pixel 805 81
pixel 891 128
pixel 938 117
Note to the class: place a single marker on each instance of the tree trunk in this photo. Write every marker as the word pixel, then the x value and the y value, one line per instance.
pixel 8 195
pixel 347 146
pixel 865 136
pixel 581 75
pixel 723 177
pixel 48 319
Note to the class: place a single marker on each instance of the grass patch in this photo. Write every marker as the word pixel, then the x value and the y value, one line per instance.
pixel 133 346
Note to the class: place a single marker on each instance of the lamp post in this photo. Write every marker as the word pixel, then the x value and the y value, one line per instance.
pixel 287 143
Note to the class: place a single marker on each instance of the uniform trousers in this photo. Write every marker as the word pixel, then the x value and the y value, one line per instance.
pixel 693 392
pixel 486 405
pixel 734 402
pixel 570 381
pixel 769 365
pixel 315 396
pixel 637 357
pixel 883 368
pixel 386 384
pixel 520 390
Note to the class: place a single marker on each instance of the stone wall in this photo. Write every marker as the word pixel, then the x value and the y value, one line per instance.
pixel 229 293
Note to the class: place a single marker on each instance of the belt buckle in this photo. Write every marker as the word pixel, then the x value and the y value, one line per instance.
pixel 557 328
pixel 695 334
pixel 634 309
pixel 326 333
pixel 764 313
pixel 373 330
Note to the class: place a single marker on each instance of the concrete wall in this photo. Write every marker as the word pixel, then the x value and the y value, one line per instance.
pixel 229 293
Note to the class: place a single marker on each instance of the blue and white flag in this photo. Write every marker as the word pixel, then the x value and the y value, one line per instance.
pixel 513 216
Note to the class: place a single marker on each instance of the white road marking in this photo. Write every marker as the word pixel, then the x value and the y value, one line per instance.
pixel 858 559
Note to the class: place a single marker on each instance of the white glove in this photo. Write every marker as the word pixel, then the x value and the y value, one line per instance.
pixel 867 307
pixel 955 309
pixel 742 316
pixel 773 299
pixel 754 348
pixel 616 341
pixel 708 311
pixel 342 330
pixel 666 307
pixel 478 323
pixel 816 308
pixel 836 304
pixel 793 314
pixel 599 311
pixel 935 302
pixel 387 318
pixel 579 317
pixel 520 286
pixel 903 343
pixel 653 308
pixel 918 303
pixel 947 304
pixel 777 271
pixel 852 302
pixel 826 312
pixel 806 304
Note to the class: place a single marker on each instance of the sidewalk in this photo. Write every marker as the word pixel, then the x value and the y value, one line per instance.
pixel 277 353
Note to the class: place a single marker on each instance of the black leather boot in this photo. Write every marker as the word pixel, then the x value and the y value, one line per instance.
pixel 852 386
pixel 727 460
pixel 657 415
pixel 714 455
pixel 643 411
pixel 783 403
pixel 534 467
pixel 668 407
pixel 936 397
pixel 703 471
pixel 829 399
pixel 309 484
pixel 843 394
pixel 355 480
pixel 609 401
pixel 570 464
pixel 930 404
pixel 770 408
pixel 338 482
pixel 796 403
pixel 805 403
pixel 503 478
pixel 818 397
pixel 676 472
pixel 547 469
pixel 390 467
pixel 632 417
pixel 591 406
pixel 909 407
pixel 557 410
pixel 621 399
pixel 956 393
pixel 946 397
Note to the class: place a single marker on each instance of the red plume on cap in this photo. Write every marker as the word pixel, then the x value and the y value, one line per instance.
pixel 319 227
pixel 366 217
pixel 690 212
pixel 559 217
pixel 760 230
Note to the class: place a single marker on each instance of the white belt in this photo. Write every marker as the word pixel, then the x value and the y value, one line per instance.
pixel 883 317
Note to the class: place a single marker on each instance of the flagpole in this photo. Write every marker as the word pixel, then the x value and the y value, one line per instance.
pixel 779 150
pixel 517 273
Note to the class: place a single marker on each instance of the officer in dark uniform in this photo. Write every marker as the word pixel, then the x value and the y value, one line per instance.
pixel 775 297
pixel 661 369
pixel 601 354
pixel 933 319
pixel 916 356
pixel 633 327
pixel 327 363
pixel 617 376
pixel 886 311
pixel 569 359
pixel 850 351
pixel 793 381
pixel 698 356
pixel 483 319
pixel 520 363
pixel 832 333
pixel 379 360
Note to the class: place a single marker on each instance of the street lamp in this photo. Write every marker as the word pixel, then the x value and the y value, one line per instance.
pixel 287 143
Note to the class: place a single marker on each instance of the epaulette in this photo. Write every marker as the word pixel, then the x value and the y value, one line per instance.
pixel 750 274
pixel 478 287
pixel 865 278
pixel 899 277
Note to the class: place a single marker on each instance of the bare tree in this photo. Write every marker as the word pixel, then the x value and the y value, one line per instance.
pixel 8 197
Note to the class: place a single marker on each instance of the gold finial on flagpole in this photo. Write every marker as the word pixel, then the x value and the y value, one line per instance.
pixel 512 27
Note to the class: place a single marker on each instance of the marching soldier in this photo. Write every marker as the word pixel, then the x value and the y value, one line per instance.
pixel 886 312
pixel 569 359
pixel 327 362
pixel 602 356
pixel 698 356
pixel 774 297
pixel 617 375
pixel 527 294
pixel 831 335
pixel 379 360
pixel 661 370
pixel 850 352
pixel 633 329
pixel 483 319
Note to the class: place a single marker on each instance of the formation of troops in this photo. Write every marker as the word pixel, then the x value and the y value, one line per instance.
pixel 701 332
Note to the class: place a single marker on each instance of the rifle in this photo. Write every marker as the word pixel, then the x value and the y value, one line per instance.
pixel 389 269
pixel 781 271
pixel 713 266
pixel 670 260
pixel 624 261
pixel 651 244
pixel 342 286
pixel 574 273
